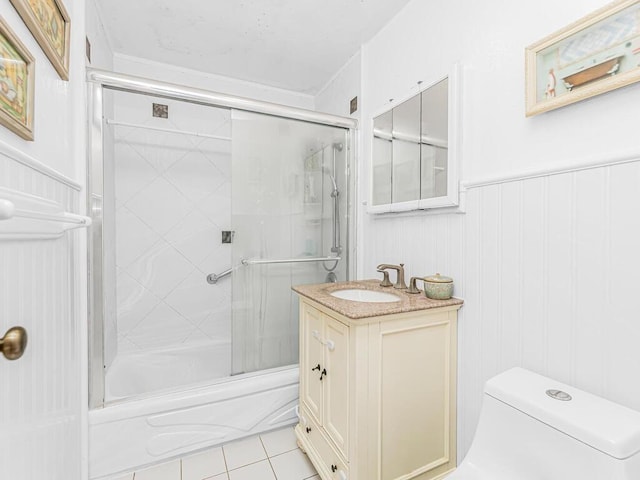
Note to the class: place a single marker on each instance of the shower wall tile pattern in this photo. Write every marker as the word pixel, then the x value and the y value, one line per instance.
pixel 173 198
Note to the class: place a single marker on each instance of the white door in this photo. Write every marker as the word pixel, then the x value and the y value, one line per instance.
pixel 40 393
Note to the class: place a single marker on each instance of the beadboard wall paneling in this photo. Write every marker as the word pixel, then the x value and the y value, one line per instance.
pixel 548 271
pixel 40 404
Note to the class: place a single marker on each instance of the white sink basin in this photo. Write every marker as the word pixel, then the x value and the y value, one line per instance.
pixel 369 296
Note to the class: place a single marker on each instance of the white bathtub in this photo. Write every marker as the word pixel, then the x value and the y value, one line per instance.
pixel 134 374
pixel 130 434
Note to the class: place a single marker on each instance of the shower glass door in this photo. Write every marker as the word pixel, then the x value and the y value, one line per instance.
pixel 289 211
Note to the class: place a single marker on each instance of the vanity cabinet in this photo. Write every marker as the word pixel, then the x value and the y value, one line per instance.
pixel 325 396
pixel 378 394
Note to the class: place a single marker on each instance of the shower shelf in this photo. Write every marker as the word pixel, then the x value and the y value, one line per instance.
pixel 28 217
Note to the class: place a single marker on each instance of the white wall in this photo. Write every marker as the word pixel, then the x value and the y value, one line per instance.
pixel 217 83
pixel 546 266
pixel 58 111
pixel 42 280
pixel 336 95
pixel 101 49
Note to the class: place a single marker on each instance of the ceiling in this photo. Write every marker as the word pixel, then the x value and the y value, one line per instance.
pixel 292 44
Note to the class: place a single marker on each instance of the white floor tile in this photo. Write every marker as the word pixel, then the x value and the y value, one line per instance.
pixel 256 471
pixel 243 452
pixel 279 441
pixel 293 465
pixel 203 465
pixel 165 471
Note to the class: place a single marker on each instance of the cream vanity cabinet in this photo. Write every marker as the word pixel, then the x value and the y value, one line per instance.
pixel 378 393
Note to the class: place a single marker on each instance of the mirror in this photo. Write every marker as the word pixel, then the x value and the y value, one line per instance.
pixel 434 141
pixel 414 153
pixel 381 164
pixel 405 182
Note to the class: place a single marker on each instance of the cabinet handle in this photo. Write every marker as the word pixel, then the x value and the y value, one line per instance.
pixel 330 344
pixel 323 374
pixel 317 367
pixel 334 468
pixel 308 429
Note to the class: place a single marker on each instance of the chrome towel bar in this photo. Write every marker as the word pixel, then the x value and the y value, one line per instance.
pixel 8 211
pixel 260 261
pixel 213 278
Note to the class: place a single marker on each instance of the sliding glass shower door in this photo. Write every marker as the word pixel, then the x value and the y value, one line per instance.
pixel 289 212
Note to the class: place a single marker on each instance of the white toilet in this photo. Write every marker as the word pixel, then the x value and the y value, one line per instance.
pixel 534 428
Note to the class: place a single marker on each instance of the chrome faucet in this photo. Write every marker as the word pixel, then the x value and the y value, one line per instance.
pixel 400 285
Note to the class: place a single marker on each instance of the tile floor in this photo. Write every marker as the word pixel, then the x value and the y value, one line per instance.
pixel 270 456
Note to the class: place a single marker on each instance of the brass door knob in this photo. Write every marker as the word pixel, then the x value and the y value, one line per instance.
pixel 14 343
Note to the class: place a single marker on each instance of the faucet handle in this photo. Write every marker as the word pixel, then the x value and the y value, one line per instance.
pixel 400 285
pixel 412 285
pixel 385 279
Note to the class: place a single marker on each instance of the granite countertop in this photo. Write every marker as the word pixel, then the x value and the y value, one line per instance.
pixel 321 293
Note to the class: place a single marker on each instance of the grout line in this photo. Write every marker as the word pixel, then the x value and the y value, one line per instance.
pixel 247 464
pixel 268 458
pixel 282 453
pixel 224 459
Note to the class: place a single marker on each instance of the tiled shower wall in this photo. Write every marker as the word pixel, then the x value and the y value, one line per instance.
pixel 173 199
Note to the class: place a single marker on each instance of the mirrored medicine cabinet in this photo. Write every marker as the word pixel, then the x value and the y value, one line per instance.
pixel 415 151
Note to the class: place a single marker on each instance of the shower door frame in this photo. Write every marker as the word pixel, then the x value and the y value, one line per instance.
pixel 97 82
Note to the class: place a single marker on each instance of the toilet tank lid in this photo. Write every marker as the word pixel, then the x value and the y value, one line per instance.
pixel 602 424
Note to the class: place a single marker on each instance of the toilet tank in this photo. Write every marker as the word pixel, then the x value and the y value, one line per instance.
pixel 535 428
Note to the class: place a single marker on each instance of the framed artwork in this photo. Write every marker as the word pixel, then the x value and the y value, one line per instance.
pixel 50 25
pixel 594 55
pixel 16 84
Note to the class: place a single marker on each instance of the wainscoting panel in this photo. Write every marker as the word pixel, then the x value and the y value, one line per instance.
pixel 548 267
pixel 40 400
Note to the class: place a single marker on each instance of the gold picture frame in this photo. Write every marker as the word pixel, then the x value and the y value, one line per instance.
pixel 596 54
pixel 16 84
pixel 50 25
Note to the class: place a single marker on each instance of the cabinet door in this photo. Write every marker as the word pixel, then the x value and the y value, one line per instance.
pixel 312 361
pixel 415 396
pixel 336 383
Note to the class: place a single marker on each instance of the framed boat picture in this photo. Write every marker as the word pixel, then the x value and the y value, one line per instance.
pixel 594 55
pixel 50 25
pixel 16 84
